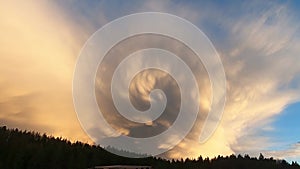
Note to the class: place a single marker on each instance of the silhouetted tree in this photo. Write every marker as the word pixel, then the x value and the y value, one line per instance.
pixel 30 150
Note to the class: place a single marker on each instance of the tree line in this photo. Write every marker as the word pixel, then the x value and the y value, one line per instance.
pixel 31 150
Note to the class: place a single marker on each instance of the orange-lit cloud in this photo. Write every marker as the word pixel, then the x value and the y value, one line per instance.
pixel 38 49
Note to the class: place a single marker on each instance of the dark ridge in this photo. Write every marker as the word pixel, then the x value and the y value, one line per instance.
pixel 31 150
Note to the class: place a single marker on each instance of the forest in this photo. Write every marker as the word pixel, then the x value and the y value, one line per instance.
pixel 31 150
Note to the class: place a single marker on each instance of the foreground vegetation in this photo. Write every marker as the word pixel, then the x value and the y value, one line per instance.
pixel 30 150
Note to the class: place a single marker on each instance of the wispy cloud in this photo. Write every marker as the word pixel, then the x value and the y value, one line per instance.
pixel 292 152
pixel 260 66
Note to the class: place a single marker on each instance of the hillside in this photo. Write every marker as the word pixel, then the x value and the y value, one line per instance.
pixel 30 150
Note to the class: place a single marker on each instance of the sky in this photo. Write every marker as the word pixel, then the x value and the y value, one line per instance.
pixel 258 42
